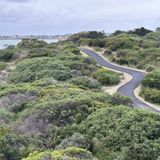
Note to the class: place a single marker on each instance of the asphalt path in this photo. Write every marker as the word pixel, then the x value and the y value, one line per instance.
pixel 128 88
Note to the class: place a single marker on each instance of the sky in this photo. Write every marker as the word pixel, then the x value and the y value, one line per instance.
pixel 54 17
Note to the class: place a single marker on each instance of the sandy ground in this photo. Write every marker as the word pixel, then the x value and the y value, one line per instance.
pixel 3 75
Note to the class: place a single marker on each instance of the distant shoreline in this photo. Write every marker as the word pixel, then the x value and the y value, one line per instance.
pixel 29 38
pixel 43 37
pixel 4 43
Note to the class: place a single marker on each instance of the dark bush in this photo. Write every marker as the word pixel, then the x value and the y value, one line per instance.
pixel 152 80
pixel 6 55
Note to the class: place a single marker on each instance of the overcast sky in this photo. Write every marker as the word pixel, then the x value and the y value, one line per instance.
pixel 69 16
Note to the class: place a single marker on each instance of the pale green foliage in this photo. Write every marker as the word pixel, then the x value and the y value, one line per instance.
pixel 69 153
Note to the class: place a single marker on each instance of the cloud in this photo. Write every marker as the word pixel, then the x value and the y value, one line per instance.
pixel 64 16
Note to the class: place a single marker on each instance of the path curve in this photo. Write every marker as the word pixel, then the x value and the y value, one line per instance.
pixel 128 88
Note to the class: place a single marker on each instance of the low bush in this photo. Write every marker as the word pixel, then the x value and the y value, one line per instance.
pixel 6 55
pixel 6 117
pixel 89 35
pixel 123 133
pixel 97 43
pixel 71 48
pixel 52 102
pixel 106 77
pixel 151 87
pixel 137 58
pixel 152 80
pixel 151 94
pixel 13 146
pixel 76 140
pixel 37 68
pixel 86 83
pixel 117 99
pixel 122 41
pixel 41 52
pixel 69 153
pixel 31 43
pixel 3 66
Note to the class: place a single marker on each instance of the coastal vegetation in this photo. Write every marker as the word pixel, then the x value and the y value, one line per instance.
pixel 151 87
pixel 52 105
pixel 138 48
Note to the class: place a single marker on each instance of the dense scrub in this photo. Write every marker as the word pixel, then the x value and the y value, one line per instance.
pixel 6 55
pixel 106 77
pixel 121 133
pixel 52 107
pixel 151 87
pixel 139 48
pixel 3 66
pixel 69 153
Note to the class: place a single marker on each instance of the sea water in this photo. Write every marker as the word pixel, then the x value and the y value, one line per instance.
pixel 6 43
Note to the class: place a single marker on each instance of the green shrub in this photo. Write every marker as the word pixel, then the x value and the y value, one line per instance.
pixel 140 31
pixel 151 87
pixel 90 35
pixel 69 153
pixel 39 52
pixel 152 80
pixel 97 43
pixel 31 43
pixel 86 82
pixel 150 94
pixel 37 68
pixel 117 99
pixel 122 41
pixel 123 132
pixel 71 48
pixel 61 104
pixel 106 77
pixel 3 65
pixel 150 68
pixel 6 116
pixel 76 140
pixel 14 146
pixel 84 41
pixel 153 36
pixel 6 55
pixel 137 58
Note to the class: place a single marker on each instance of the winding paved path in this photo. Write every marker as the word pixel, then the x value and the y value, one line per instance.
pixel 129 87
